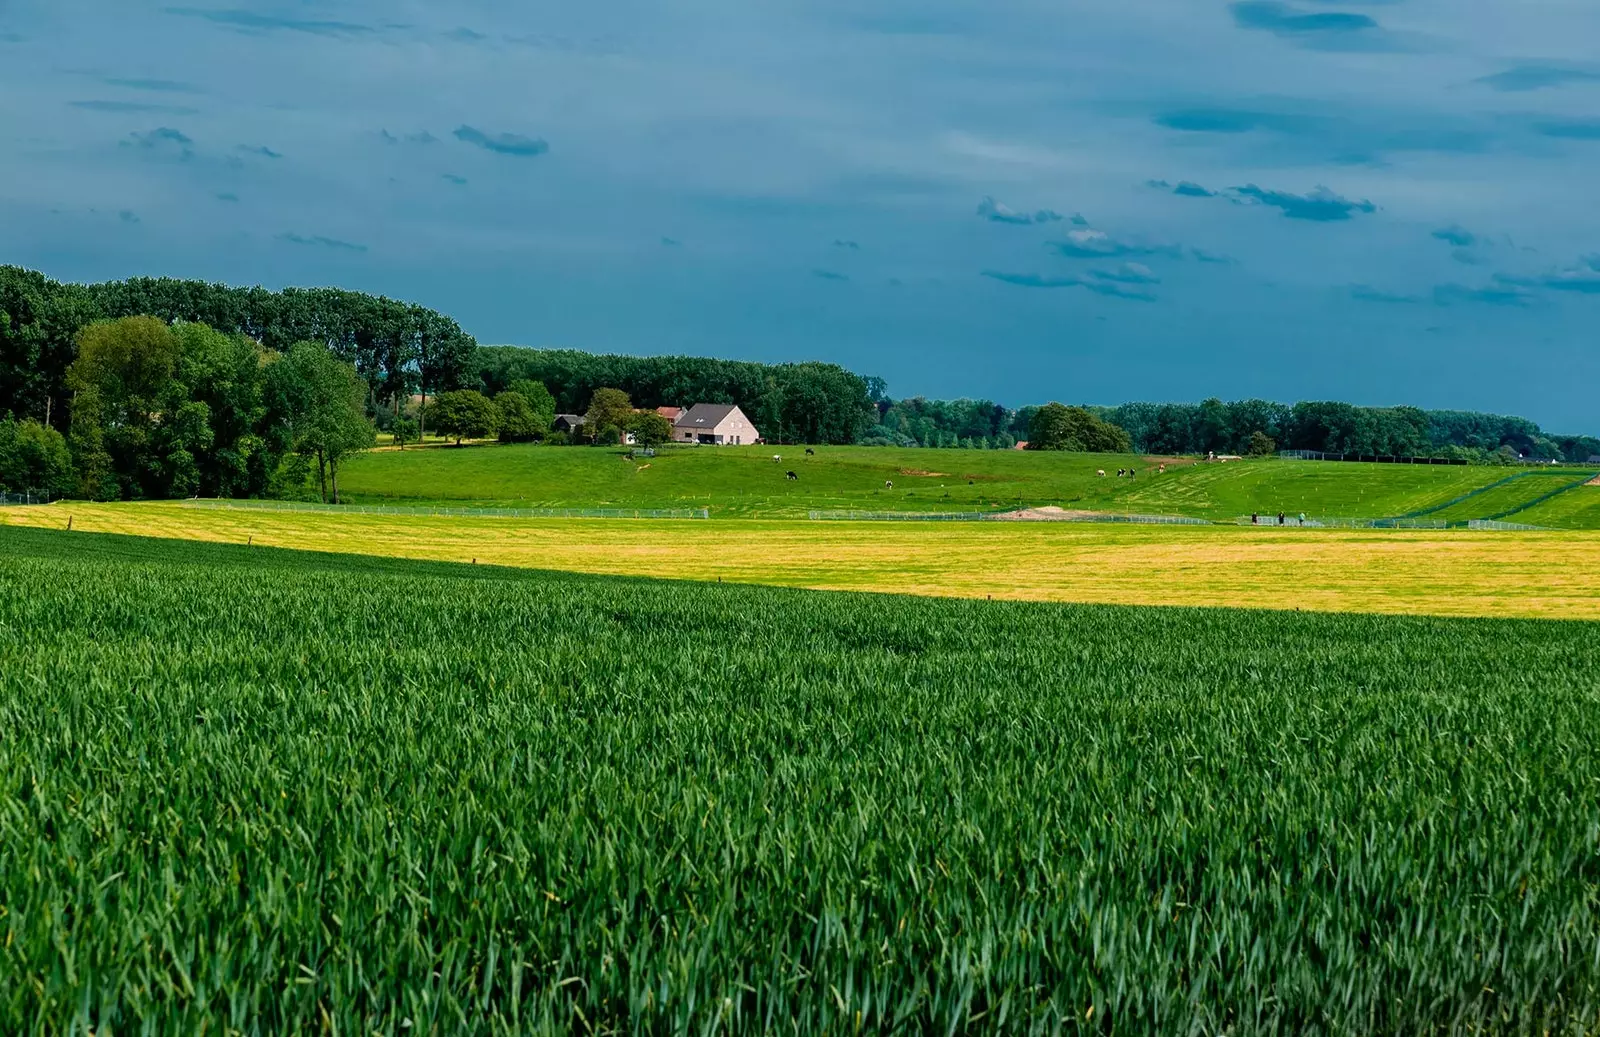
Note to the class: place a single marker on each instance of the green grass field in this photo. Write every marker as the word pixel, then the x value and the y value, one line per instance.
pixel 745 482
pixel 1578 509
pixel 1510 498
pixel 255 791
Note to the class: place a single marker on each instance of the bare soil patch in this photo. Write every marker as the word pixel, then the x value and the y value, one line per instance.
pixel 1048 513
pixel 1593 482
pixel 920 471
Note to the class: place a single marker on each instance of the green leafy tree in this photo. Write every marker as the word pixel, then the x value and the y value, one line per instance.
pixel 609 415
pixel 34 459
pixel 464 414
pixel 515 419
pixel 320 403
pixel 226 375
pixel 1058 427
pixel 650 428
pixel 403 430
pixel 539 400
pixel 1261 445
pixel 123 381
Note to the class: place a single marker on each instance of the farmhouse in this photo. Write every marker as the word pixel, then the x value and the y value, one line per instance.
pixel 721 424
pixel 568 422
pixel 672 414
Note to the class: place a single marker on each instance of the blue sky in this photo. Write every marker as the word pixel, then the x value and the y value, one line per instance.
pixel 1385 201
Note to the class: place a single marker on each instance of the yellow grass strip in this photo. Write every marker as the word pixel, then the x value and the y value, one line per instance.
pixel 1553 575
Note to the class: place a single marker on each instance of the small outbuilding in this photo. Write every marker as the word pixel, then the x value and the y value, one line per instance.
pixel 568 422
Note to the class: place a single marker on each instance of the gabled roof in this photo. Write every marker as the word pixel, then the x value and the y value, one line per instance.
pixel 705 415
pixel 572 419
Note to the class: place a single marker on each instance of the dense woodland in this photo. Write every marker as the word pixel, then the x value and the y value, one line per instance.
pixel 152 388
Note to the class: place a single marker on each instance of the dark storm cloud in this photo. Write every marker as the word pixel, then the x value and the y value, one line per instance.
pixel 502 143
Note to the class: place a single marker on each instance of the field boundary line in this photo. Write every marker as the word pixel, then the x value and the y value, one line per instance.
pixel 1312 522
pixel 445 512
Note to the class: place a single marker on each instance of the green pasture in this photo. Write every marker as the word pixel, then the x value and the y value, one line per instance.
pixel 1510 498
pixel 1575 509
pixel 248 790
pixel 746 482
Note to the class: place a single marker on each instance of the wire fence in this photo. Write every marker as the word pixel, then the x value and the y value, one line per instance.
pixel 998 516
pixel 1295 521
pixel 1320 455
pixel 1505 527
pixel 442 512
pixel 900 516
pixel 27 497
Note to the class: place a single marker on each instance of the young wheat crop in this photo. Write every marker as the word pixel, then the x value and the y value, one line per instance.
pixel 258 791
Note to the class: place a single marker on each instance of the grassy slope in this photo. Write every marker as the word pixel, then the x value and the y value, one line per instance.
pixel 1577 509
pixel 1452 573
pixel 1509 499
pixel 252 789
pixel 745 482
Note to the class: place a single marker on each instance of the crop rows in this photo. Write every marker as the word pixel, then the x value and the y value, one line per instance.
pixel 258 791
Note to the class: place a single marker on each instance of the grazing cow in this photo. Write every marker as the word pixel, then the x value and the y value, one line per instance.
pixel 1121 472
pixel 777 459
pixel 810 452
pixel 793 477
pixel 1101 473
pixel 888 485
pixel 1161 470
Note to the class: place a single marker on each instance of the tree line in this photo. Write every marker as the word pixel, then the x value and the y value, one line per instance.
pixel 396 348
pixel 1242 427
pixel 159 410
pixel 790 403
pixel 159 387
pixel 156 387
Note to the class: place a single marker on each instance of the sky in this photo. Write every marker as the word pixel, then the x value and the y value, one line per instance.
pixel 1389 201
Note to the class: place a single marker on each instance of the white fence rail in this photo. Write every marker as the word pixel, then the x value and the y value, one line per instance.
pixel 27 497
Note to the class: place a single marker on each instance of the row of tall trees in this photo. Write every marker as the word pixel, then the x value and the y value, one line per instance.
pixel 805 403
pixel 1335 427
pixel 396 348
pixel 1241 427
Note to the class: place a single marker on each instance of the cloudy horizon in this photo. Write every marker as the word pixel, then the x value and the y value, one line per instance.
pixel 1383 201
